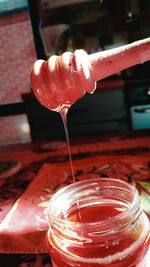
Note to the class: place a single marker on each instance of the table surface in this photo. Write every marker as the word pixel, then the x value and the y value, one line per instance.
pixel 108 137
pixel 7 152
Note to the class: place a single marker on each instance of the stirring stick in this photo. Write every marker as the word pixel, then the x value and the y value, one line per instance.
pixel 106 63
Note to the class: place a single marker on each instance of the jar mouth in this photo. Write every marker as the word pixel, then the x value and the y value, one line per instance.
pixel 75 196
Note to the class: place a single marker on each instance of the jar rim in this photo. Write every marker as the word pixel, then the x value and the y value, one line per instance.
pixel 133 207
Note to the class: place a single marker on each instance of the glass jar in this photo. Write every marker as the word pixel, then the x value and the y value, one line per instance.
pixel 98 222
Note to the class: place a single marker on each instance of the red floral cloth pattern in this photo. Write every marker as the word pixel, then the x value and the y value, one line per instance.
pixel 24 228
pixel 24 196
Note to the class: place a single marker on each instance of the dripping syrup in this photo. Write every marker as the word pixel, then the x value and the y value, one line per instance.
pixel 63 114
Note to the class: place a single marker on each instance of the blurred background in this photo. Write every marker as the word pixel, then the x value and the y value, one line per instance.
pixel 40 28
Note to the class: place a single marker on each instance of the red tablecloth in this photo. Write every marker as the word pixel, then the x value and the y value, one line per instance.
pixel 24 196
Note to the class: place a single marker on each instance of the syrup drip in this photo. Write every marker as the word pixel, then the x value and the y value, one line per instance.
pixel 63 114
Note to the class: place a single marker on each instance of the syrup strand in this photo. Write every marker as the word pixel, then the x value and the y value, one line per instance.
pixel 63 114
pixel 64 118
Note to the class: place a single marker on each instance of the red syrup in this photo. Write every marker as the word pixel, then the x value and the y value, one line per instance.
pixel 63 114
pixel 107 233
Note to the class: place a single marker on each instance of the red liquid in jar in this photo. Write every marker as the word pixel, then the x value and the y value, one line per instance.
pixel 125 248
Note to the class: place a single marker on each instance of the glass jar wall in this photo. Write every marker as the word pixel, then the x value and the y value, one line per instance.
pixel 98 222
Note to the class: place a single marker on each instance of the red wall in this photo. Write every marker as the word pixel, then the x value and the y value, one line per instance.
pixel 17 54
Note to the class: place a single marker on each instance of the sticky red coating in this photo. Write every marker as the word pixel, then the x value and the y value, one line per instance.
pixel 62 80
